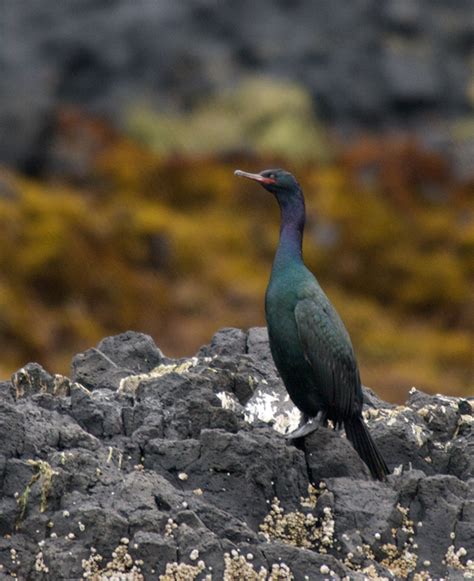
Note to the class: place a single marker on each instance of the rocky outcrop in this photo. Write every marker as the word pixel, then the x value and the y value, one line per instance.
pixel 144 467
pixel 367 63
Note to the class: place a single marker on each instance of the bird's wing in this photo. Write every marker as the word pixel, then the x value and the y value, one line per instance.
pixel 328 350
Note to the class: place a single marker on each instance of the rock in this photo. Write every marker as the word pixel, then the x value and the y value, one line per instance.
pixel 411 73
pixel 171 455
pixel 58 567
pixel 403 15
pixel 12 430
pixel 155 551
pixel 257 344
pixel 135 351
pixel 98 367
pixel 442 414
pixel 179 466
pixel 86 412
pixel 93 370
pixel 229 462
pixel 256 383
pixel 461 457
pixel 301 561
pixel 7 391
pixel 329 455
pixel 229 341
pixel 438 505
pixel 160 52
pixel 96 411
pixel 362 509
pixel 33 379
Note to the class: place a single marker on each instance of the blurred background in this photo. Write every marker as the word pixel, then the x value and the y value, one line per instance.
pixel 122 121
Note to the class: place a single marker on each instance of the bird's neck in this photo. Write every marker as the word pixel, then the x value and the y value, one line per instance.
pixel 291 232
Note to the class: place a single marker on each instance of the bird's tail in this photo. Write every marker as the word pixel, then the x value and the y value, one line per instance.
pixel 360 438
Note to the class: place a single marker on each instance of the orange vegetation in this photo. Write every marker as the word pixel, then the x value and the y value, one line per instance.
pixel 117 237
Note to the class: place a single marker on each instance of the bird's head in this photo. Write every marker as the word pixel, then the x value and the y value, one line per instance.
pixel 277 181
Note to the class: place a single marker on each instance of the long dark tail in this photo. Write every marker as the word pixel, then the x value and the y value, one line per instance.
pixel 360 438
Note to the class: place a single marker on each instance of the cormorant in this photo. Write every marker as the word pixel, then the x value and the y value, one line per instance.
pixel 309 343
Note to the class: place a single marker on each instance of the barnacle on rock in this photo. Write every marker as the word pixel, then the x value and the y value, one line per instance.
pixel 300 529
pixel 40 565
pixel 237 568
pixel 399 563
pixel 122 566
pixel 183 572
pixel 454 559
pixel 184 444
pixel 170 528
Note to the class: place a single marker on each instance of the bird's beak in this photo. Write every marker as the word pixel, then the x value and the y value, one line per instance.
pixel 254 176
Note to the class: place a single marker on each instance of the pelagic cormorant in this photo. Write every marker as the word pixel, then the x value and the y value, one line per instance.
pixel 311 347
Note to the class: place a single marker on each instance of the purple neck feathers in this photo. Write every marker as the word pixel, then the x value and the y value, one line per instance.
pixel 291 230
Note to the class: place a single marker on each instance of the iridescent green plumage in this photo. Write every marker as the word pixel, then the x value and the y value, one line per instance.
pixel 311 347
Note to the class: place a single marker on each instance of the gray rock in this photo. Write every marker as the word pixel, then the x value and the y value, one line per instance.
pixel 403 15
pixel 438 505
pixel 12 430
pixel 85 411
pixel 155 551
pixel 96 411
pixel 7 391
pixel 257 344
pixel 158 468
pixel 94 370
pixel 461 457
pixel 228 341
pixel 225 525
pixel 193 397
pixel 411 73
pixel 209 548
pixel 131 350
pixel 329 455
pixel 54 551
pixel 115 358
pixel 171 455
pixel 302 563
pixel 226 463
pixel 30 379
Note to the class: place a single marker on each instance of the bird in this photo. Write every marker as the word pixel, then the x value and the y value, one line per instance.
pixel 309 343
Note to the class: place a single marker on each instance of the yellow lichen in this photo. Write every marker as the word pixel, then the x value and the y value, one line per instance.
pixel 44 474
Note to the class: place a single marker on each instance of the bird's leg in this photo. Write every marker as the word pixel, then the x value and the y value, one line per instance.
pixel 308 426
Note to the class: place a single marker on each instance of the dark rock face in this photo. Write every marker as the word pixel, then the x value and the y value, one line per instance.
pixel 366 62
pixel 112 360
pixel 175 468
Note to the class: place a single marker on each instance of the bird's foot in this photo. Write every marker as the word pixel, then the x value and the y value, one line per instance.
pixel 308 426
